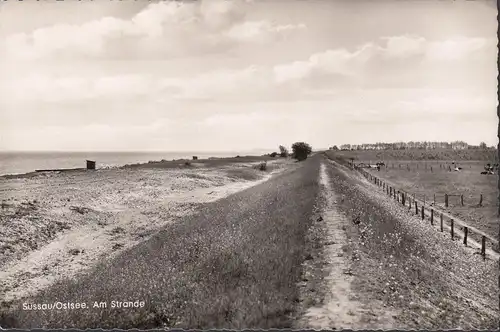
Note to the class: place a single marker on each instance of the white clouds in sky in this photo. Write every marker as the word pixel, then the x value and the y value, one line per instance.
pixel 163 29
pixel 386 81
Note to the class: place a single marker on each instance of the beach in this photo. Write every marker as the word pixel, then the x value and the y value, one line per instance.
pixel 56 224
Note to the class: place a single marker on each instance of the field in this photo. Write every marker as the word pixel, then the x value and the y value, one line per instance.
pixel 430 180
pixel 414 155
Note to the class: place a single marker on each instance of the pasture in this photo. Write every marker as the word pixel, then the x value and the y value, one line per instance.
pixel 431 180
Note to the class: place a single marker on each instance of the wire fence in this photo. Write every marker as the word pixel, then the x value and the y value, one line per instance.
pixel 428 210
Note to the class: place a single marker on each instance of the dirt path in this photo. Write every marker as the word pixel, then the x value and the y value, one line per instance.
pixel 341 307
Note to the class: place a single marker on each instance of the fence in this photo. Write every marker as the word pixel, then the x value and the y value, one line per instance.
pixel 425 211
pixel 424 167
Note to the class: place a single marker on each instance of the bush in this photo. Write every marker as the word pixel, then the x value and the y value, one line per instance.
pixel 263 166
pixel 301 150
pixel 283 151
pixel 273 155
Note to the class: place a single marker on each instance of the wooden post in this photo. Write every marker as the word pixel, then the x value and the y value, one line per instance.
pixel 452 229
pixel 481 200
pixel 434 199
pixel 466 230
pixel 403 198
pixel 483 247
pixel 432 216
pixel 424 199
pixel 416 208
pixel 423 215
pixel 431 169
pixel 446 200
pixel 462 200
pixel 441 220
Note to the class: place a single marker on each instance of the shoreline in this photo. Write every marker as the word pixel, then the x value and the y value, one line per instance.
pixel 165 162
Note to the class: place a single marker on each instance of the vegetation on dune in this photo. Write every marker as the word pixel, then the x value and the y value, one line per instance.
pixel 283 151
pixel 301 150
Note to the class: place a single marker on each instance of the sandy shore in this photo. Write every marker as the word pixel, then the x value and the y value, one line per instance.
pixel 57 225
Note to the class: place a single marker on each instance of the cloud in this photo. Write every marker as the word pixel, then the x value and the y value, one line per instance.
pixel 161 30
pixel 391 62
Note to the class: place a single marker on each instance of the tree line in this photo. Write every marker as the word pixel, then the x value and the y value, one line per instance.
pixel 421 145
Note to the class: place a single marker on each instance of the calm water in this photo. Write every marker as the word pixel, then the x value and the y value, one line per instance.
pixel 24 162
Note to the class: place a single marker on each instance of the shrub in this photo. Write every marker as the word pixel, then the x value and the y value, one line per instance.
pixel 274 154
pixel 301 150
pixel 263 166
pixel 283 151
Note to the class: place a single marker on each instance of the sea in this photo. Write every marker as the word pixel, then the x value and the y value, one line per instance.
pixel 25 162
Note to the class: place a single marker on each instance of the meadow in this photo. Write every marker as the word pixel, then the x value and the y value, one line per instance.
pixel 417 173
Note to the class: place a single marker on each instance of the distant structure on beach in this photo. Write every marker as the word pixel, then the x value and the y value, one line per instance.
pixel 90 164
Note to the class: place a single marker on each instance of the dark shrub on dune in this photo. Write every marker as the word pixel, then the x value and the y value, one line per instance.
pixel 300 150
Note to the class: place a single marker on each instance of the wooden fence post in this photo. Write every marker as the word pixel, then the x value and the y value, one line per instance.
pixel 416 208
pixel 403 198
pixel 452 229
pixel 462 200
pixel 423 215
pixel 432 216
pixel 483 247
pixel 434 199
pixel 446 200
pixel 431 169
pixel 441 220
pixel 481 200
pixel 466 230
pixel 409 203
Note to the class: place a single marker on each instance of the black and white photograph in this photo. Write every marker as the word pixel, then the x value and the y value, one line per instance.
pixel 249 164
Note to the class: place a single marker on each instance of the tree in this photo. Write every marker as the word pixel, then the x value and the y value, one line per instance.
pixel 301 150
pixel 283 151
pixel 482 145
pixel 335 148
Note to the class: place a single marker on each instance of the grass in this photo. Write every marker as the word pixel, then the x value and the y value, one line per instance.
pixel 235 264
pixel 416 177
pixel 210 163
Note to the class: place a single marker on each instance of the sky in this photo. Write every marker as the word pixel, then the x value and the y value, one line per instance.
pixel 221 75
